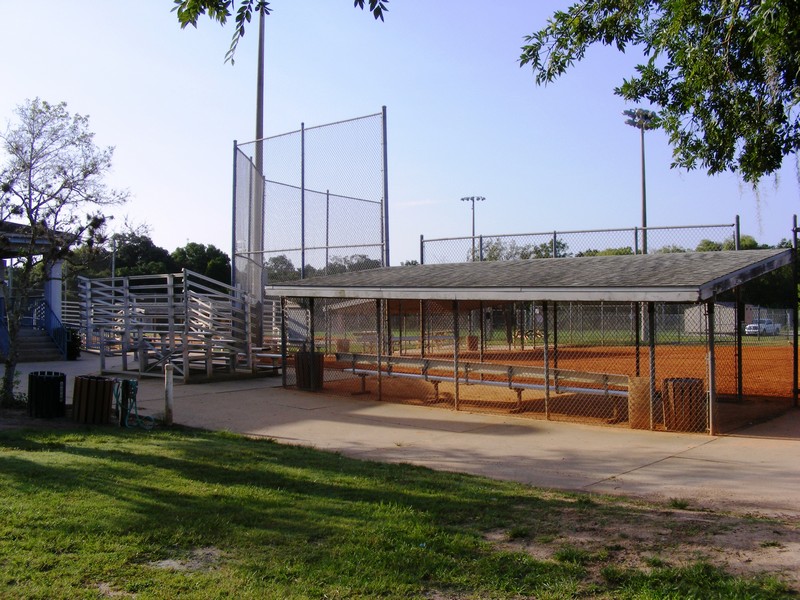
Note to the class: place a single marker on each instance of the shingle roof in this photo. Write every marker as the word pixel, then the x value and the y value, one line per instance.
pixel 673 277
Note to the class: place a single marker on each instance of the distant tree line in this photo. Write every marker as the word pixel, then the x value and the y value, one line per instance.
pixel 772 290
pixel 133 252
pixel 281 268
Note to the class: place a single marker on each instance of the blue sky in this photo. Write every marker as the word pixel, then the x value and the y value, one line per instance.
pixel 463 118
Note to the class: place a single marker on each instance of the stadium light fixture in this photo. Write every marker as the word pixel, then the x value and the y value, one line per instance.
pixel 642 119
pixel 472 200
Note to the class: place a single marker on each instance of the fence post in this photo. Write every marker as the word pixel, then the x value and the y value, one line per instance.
pixel 102 350
pixel 169 369
pixel 712 367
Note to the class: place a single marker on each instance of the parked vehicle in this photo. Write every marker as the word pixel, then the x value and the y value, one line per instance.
pixel 762 327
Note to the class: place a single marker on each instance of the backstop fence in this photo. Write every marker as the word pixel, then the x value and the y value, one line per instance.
pixel 318 206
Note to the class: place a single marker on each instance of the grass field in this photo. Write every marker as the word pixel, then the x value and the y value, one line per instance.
pixel 107 513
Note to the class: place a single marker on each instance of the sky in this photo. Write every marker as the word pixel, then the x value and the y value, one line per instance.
pixel 463 119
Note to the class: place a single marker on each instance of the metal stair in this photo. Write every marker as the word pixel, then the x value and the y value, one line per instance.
pixel 35 345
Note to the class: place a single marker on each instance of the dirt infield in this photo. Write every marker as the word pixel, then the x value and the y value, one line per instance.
pixel 767 382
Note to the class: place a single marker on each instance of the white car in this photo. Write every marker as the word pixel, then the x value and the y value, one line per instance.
pixel 762 327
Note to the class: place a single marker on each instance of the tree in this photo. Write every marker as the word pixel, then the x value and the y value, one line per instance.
pixel 670 249
pixel 623 251
pixel 51 197
pixel 206 260
pixel 281 268
pixel 137 254
pixel 497 249
pixel 189 11
pixel 746 242
pixel 354 262
pixel 724 75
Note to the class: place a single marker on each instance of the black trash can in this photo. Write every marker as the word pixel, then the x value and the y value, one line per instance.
pixel 47 394
pixel 303 362
pixel 91 399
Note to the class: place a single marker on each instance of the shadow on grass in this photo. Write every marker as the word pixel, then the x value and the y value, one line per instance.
pixel 287 516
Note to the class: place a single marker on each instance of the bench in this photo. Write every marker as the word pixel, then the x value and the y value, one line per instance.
pixel 515 377
pixel 261 358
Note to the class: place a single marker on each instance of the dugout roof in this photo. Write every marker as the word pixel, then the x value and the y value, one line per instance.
pixel 669 277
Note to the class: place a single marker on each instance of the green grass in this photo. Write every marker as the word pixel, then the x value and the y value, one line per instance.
pixel 91 513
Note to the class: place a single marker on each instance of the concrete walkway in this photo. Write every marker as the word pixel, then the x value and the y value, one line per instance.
pixel 755 470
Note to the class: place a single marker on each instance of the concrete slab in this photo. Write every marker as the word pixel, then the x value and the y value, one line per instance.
pixel 756 470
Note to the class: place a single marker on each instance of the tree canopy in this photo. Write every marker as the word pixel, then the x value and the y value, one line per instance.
pixel 52 194
pixel 724 75
pixel 205 260
pixel 190 11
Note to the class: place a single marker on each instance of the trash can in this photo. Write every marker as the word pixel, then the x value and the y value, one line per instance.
pixel 639 402
pixel 685 404
pixel 47 394
pixel 303 362
pixel 91 399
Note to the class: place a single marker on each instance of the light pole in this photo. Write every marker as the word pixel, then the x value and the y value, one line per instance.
pixel 473 200
pixel 642 119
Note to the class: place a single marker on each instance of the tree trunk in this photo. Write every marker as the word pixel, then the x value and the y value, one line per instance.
pixel 7 391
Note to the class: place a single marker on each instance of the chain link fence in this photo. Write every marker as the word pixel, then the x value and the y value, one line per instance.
pixel 319 207
pixel 581 362
pixel 561 244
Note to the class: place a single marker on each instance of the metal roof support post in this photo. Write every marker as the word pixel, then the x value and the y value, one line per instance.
pixel 422 328
pixel 546 340
pixel 555 344
pixel 379 342
pixel 283 343
pixel 481 330
pixel 651 326
pixel 401 327
pixel 388 335
pixel 712 367
pixel 455 352
pixel 637 325
pixel 739 329
pixel 311 335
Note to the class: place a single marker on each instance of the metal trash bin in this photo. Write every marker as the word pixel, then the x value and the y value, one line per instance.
pixel 309 372
pixel 91 399
pixel 47 394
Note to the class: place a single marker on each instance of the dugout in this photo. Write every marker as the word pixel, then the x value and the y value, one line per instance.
pixel 601 339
